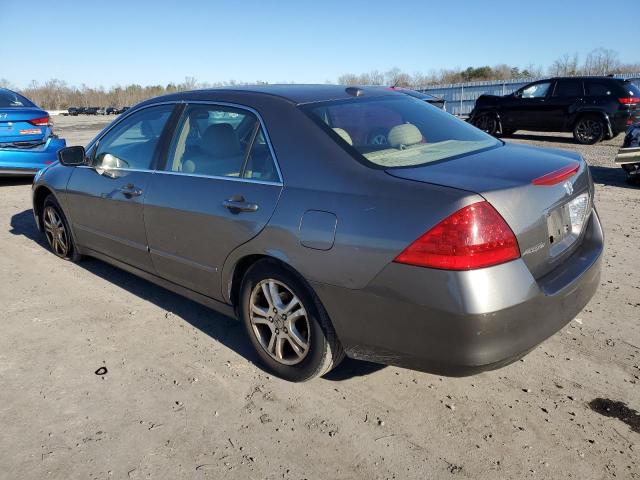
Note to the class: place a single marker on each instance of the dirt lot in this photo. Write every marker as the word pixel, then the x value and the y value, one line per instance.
pixel 182 397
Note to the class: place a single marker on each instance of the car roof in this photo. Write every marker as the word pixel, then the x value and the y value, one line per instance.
pixel 294 93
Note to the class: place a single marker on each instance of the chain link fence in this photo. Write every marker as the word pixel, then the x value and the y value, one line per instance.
pixel 461 97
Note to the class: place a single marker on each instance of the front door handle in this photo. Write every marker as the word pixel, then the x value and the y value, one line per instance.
pixel 238 204
pixel 130 191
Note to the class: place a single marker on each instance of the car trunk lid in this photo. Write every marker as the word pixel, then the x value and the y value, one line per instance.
pixel 540 213
pixel 20 125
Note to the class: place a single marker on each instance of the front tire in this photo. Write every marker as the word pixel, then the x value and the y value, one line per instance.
pixel 487 122
pixel 588 130
pixel 56 230
pixel 286 323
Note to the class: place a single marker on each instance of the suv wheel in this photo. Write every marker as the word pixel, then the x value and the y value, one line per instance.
pixel 588 130
pixel 487 122
pixel 287 324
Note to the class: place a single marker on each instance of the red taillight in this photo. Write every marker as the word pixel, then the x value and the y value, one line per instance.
pixel 39 121
pixel 475 236
pixel 557 176
pixel 629 100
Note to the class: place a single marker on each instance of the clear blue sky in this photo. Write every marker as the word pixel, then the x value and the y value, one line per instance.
pixel 155 42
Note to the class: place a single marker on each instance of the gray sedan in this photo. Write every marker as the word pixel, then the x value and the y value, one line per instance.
pixel 440 248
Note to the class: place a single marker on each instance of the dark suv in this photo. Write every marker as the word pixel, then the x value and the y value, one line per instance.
pixel 592 108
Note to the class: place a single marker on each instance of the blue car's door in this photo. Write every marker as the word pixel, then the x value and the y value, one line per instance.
pixel 106 198
pixel 216 190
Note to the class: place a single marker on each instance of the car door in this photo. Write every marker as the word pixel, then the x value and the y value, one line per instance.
pixel 216 190
pixel 567 97
pixel 527 109
pixel 105 198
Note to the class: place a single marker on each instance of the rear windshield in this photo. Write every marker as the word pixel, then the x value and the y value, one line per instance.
pixel 11 99
pixel 397 130
pixel 631 89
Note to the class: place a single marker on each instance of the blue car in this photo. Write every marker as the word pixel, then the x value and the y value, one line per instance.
pixel 27 142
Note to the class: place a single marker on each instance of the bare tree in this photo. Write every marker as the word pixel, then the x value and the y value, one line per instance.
pixel 601 61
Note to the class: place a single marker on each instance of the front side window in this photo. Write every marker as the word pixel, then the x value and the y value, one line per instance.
pixel 537 90
pixel 132 143
pixel 397 131
pixel 568 88
pixel 220 141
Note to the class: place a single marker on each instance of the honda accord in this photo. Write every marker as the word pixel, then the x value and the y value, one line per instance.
pixel 441 249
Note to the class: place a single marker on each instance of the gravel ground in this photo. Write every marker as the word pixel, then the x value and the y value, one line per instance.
pixel 182 398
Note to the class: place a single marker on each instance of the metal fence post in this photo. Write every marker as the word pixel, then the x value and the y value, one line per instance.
pixel 461 97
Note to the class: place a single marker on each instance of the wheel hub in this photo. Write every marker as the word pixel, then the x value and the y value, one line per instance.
pixel 279 322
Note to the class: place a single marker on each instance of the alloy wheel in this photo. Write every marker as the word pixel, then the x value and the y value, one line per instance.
pixel 487 123
pixel 280 322
pixel 589 130
pixel 55 232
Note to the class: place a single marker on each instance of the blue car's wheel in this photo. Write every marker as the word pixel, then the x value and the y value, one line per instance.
pixel 56 230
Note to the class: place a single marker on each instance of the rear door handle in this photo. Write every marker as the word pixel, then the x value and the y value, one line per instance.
pixel 130 191
pixel 237 206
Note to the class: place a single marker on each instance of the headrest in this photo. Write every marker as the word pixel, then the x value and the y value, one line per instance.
pixel 405 134
pixel 344 135
pixel 220 140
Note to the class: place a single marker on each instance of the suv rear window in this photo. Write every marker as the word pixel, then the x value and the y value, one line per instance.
pixel 397 130
pixel 11 99
pixel 595 88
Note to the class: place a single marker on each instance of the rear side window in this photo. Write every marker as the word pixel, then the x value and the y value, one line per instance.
pixel 396 130
pixel 568 88
pixel 220 141
pixel 10 99
pixel 597 89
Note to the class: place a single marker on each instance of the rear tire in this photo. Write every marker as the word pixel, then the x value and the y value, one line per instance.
pixel 286 323
pixel 487 122
pixel 57 232
pixel 589 130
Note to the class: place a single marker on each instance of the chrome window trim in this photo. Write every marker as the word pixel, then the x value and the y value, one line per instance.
pixel 118 169
pixel 199 102
pixel 215 177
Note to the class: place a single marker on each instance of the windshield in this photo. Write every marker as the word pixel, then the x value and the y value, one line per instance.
pixel 398 131
pixel 10 99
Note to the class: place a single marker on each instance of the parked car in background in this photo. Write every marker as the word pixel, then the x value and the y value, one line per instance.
pixel 73 111
pixel 101 111
pixel 427 97
pixel 91 110
pixel 593 108
pixel 443 250
pixel 120 110
pixel 110 111
pixel 27 142
pixel 629 155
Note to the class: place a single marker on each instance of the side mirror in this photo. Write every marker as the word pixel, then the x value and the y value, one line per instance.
pixel 72 156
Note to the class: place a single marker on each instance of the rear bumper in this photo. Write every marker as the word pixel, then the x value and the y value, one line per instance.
pixel 23 161
pixel 461 323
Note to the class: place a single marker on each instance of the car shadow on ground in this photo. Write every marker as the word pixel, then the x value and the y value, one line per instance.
pixel 14 181
pixel 611 176
pixel 539 138
pixel 221 328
